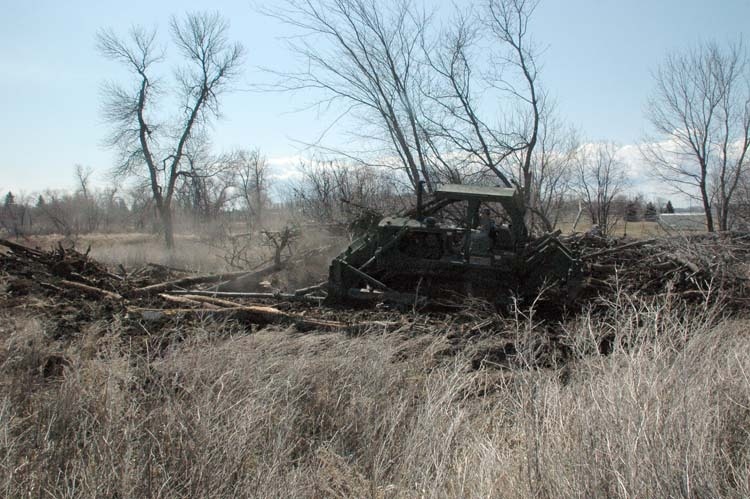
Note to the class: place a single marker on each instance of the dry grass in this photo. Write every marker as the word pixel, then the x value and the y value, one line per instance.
pixel 219 412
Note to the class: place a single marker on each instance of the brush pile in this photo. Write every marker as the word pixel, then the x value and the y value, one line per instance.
pixel 701 267
pixel 70 282
pixel 149 305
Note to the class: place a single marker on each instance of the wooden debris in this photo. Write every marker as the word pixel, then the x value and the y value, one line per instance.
pixel 322 286
pixel 91 290
pixel 677 257
pixel 254 314
pixel 185 281
pixel 18 248
pixel 230 294
pixel 618 249
pixel 269 314
pixel 185 301
pixel 248 279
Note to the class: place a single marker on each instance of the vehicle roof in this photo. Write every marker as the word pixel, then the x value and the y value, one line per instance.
pixel 478 192
pixel 411 223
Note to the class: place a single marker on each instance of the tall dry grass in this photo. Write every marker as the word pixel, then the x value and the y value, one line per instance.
pixel 219 412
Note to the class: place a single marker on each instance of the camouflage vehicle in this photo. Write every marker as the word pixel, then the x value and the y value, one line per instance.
pixel 425 253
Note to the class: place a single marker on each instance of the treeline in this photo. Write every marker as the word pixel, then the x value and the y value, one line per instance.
pixel 236 196
pixel 231 192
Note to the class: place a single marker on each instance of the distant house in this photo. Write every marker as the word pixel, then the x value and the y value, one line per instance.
pixel 683 221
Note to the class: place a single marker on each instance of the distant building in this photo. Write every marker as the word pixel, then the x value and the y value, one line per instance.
pixel 683 221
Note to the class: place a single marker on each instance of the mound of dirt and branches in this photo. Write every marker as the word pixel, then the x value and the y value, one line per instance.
pixel 701 267
pixel 75 290
pixel 148 381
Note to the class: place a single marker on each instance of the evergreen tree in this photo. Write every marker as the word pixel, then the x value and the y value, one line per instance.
pixel 669 208
pixel 650 214
pixel 10 200
pixel 632 211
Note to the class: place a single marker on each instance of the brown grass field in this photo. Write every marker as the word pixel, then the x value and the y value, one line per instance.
pixel 212 408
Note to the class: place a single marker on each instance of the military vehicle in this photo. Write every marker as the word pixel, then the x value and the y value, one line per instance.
pixel 428 253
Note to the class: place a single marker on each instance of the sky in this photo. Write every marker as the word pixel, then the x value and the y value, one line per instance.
pixel 597 63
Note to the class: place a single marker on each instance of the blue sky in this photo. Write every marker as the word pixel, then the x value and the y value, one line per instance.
pixel 597 64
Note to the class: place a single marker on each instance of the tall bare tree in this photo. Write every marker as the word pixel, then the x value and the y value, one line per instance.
pixel 422 90
pixel 89 213
pixel 508 21
pixel 365 55
pixel 700 112
pixel 524 145
pixel 553 172
pixel 461 141
pixel 253 181
pixel 144 140
pixel 600 178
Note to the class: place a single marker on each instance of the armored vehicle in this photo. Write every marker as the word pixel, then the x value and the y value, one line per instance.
pixel 429 253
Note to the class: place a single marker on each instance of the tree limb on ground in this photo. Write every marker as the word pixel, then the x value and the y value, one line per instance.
pixel 191 281
pixel 91 290
pixel 249 314
pixel 239 294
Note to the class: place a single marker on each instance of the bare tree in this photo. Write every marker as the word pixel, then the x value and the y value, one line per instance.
pixel 553 160
pixel 600 178
pixel 366 55
pixel 207 185
pixel 143 140
pixel 88 216
pixel 422 91
pixel 83 176
pixel 332 191
pixel 509 22
pixel 700 112
pixel 525 146
pixel 253 180
pixel 741 202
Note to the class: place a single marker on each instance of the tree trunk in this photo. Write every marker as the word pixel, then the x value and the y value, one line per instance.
pixel 165 213
pixel 724 216
pixel 707 209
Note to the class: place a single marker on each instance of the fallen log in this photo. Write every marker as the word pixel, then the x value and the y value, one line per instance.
pixel 267 314
pixel 91 290
pixel 252 315
pixel 19 248
pixel 616 249
pixel 311 289
pixel 239 294
pixel 168 268
pixel 249 279
pixel 186 301
pixel 186 281
pixel 231 304
pixel 684 261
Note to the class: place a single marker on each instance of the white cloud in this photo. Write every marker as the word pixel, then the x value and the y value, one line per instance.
pixel 285 168
pixel 643 179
